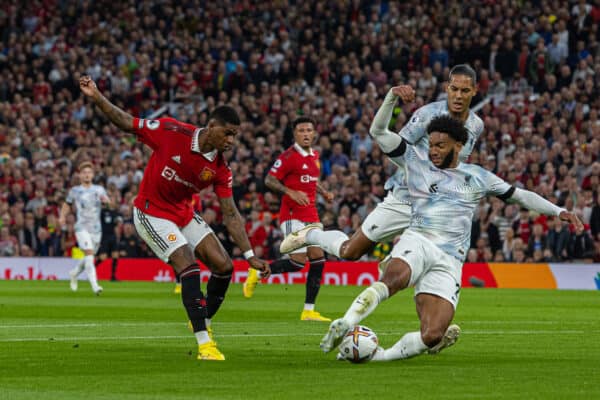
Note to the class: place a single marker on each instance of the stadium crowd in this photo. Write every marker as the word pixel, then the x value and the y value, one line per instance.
pixel 538 65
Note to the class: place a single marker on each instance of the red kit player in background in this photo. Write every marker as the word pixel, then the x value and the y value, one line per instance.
pixel 295 174
pixel 186 159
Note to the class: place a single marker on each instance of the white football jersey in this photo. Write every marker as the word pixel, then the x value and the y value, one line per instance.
pixel 415 133
pixel 88 206
pixel 443 200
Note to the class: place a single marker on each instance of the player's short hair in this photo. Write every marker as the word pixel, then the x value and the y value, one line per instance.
pixel 85 164
pixel 450 126
pixel 225 115
pixel 303 120
pixel 466 70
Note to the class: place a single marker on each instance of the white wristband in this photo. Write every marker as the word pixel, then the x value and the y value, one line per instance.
pixel 249 254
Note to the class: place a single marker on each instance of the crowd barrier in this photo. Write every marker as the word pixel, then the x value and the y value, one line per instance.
pixel 492 275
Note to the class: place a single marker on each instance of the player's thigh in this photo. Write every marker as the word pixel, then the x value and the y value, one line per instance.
pixel 410 249
pixel 212 254
pixel 396 275
pixel 163 237
pixel 388 219
pixel 87 241
pixel 293 225
pixel 441 277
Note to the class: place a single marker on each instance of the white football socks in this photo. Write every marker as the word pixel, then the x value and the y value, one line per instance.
pixel 410 345
pixel 330 241
pixel 90 269
pixel 366 302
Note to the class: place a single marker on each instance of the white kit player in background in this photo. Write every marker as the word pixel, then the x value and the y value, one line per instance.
pixel 87 199
pixel 444 194
pixel 392 215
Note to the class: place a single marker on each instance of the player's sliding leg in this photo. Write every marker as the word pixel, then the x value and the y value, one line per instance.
pixel 313 285
pixel 396 277
pixel 435 314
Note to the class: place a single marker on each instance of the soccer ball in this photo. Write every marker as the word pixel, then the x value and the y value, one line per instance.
pixel 359 344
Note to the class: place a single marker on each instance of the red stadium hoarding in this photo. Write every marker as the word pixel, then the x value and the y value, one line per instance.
pixel 152 269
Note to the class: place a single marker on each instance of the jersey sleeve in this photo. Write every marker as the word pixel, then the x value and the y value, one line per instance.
pixel 280 168
pixel 223 182
pixel 70 197
pixel 416 127
pixel 152 131
pixel 495 186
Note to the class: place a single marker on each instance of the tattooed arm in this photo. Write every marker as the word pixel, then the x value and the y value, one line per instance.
pixel 117 116
pixel 234 223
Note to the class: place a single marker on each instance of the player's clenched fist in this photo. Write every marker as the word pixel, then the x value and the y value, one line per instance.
pixel 405 92
pixel 87 85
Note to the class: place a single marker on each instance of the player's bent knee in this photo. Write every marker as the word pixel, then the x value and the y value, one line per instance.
pixel 432 336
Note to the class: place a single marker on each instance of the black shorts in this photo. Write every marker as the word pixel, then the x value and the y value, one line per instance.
pixel 108 245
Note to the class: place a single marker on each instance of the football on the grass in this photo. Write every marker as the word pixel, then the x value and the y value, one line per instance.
pixel 359 344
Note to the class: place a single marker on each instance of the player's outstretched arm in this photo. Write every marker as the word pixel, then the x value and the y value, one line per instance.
pixel 117 116
pixel 234 223
pixel 534 202
pixel 62 216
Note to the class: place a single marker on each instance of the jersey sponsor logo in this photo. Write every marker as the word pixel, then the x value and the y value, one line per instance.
pixel 308 178
pixel 152 124
pixel 207 174
pixel 170 175
pixel 171 237
pixel 177 159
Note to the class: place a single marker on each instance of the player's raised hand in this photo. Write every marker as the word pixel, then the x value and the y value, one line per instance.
pixel 261 265
pixel 405 92
pixel 299 197
pixel 573 219
pixel 88 86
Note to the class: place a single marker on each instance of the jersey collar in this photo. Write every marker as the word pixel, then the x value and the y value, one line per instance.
pixel 303 152
pixel 211 155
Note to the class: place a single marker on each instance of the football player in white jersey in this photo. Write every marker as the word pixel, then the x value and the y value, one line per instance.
pixel 87 199
pixel 392 215
pixel 444 195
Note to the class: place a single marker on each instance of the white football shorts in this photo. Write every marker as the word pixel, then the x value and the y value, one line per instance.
pixel 432 270
pixel 164 236
pixel 388 219
pixel 88 241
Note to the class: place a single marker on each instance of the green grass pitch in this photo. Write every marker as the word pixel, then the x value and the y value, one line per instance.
pixel 133 343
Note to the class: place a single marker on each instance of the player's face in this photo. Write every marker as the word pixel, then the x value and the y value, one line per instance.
pixel 223 136
pixel 460 92
pixel 443 150
pixel 86 175
pixel 304 134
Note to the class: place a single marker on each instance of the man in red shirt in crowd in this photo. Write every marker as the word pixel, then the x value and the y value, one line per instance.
pixel 295 174
pixel 185 160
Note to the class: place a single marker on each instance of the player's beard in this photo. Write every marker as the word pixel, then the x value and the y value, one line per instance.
pixel 447 160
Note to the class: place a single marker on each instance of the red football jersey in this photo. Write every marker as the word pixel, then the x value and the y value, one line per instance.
pixel 298 170
pixel 177 169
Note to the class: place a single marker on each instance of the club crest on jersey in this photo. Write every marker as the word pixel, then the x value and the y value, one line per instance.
pixel 152 124
pixel 206 174
pixel 171 237
pixel 318 164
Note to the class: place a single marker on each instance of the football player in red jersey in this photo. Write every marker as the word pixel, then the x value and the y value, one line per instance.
pixel 295 174
pixel 186 159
